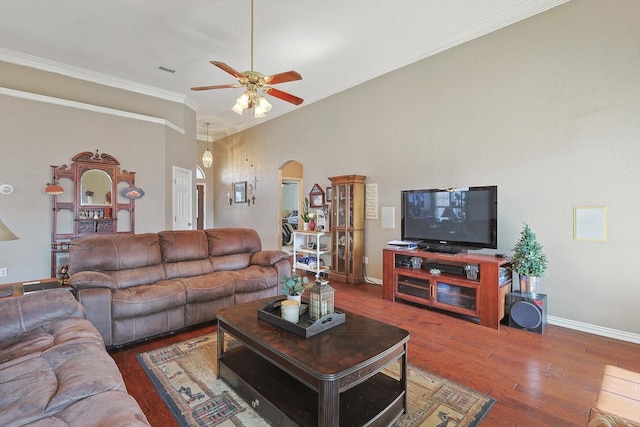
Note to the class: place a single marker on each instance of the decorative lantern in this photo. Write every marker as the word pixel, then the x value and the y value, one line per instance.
pixel 320 300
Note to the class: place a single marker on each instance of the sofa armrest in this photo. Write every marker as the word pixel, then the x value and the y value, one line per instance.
pixel 268 258
pixel 97 303
pixel 25 313
pixel 92 279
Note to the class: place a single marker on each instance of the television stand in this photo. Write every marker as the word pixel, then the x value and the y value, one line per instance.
pixel 441 249
pixel 480 296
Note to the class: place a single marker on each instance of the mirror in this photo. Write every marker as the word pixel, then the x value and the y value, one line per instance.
pixel 95 188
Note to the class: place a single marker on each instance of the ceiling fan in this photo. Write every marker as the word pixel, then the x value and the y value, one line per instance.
pixel 254 81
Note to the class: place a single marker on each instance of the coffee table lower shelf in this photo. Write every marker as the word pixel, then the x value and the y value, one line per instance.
pixel 284 401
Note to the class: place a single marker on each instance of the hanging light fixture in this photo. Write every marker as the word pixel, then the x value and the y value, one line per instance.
pixel 251 98
pixel 54 188
pixel 207 157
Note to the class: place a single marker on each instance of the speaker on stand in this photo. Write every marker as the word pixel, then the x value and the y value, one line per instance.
pixel 527 311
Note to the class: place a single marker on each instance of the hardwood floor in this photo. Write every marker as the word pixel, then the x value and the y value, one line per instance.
pixel 537 380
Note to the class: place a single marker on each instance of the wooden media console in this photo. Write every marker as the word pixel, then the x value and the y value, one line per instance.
pixel 482 297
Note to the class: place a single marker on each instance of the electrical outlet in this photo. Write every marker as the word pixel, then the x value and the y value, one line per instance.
pixel 3 272
pixel 365 259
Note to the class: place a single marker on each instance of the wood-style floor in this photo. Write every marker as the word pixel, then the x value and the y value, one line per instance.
pixel 537 380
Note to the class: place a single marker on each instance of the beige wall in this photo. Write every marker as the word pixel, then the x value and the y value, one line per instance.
pixel 35 134
pixel 547 109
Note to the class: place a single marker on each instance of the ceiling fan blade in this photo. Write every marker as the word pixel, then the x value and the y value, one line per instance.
pixel 284 96
pixel 287 76
pixel 228 69
pixel 215 87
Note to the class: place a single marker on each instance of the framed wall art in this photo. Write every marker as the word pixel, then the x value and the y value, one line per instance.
pixel 316 197
pixel 240 192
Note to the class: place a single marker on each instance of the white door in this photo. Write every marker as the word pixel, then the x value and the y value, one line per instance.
pixel 182 199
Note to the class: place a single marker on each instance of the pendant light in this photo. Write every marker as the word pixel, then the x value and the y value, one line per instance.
pixel 207 157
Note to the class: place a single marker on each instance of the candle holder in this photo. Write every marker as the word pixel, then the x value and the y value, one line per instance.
pixel 321 300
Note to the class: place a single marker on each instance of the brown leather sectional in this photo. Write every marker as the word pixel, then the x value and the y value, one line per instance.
pixel 138 286
pixel 54 368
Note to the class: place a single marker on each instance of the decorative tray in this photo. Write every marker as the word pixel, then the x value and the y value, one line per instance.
pixel 305 327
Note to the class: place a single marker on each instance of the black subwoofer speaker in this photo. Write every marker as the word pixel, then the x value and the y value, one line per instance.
pixel 527 311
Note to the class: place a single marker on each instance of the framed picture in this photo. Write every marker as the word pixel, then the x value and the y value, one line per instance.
pixel 590 223
pixel 240 192
pixel 316 197
pixel 328 194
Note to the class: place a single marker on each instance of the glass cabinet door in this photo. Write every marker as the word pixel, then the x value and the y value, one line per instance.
pixel 341 208
pixel 340 252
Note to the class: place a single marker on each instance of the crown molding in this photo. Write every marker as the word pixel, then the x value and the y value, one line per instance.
pixel 88 107
pixel 23 59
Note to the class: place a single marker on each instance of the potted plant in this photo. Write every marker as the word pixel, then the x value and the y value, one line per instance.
pixel 305 216
pixel 529 261
pixel 293 286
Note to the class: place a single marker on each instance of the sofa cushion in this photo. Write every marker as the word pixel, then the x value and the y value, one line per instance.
pixel 114 408
pixel 20 315
pixel 139 301
pixel 130 260
pixel 41 371
pixel 228 241
pixel 82 370
pixel 230 262
pixel 209 287
pixel 25 390
pixel 185 253
pixel 254 278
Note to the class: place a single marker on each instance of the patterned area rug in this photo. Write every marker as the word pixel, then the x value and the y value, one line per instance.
pixel 185 376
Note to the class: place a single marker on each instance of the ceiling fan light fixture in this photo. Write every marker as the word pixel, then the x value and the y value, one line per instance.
pixel 237 108
pixel 264 104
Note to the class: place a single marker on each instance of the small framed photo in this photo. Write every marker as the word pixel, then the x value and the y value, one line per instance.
pixel 328 192
pixel 240 192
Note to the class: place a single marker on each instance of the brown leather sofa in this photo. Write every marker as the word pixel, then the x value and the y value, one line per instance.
pixel 138 286
pixel 54 368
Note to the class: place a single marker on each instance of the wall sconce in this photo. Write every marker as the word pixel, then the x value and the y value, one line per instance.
pixel 54 188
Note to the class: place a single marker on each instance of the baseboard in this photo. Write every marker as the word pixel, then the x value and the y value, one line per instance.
pixel 571 324
pixel 594 329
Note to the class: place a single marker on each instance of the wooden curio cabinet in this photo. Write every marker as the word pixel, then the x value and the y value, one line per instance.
pixel 347 228
pixel 96 200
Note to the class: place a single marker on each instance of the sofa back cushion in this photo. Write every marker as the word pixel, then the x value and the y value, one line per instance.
pixel 231 248
pixel 130 260
pixel 185 253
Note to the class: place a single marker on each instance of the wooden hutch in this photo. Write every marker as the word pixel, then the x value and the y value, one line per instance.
pixel 99 199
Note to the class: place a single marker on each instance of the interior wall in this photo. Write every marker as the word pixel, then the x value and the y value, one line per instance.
pixel 547 109
pixel 35 134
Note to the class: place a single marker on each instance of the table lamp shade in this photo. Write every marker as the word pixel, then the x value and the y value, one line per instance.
pixel 5 233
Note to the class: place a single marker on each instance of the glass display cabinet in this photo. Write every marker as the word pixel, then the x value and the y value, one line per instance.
pixel 347 228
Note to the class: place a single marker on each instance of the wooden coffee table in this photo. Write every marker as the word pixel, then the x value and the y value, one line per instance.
pixel 330 379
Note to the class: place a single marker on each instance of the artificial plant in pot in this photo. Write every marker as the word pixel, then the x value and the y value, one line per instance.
pixel 305 216
pixel 528 260
pixel 293 286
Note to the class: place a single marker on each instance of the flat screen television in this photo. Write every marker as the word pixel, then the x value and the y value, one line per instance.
pixel 451 220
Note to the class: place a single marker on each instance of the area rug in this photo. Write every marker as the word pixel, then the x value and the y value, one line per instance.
pixel 185 376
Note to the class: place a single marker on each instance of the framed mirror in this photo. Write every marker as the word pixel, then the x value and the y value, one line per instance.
pixel 240 192
pixel 95 188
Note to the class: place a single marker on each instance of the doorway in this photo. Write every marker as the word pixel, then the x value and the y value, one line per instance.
pixel 289 202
